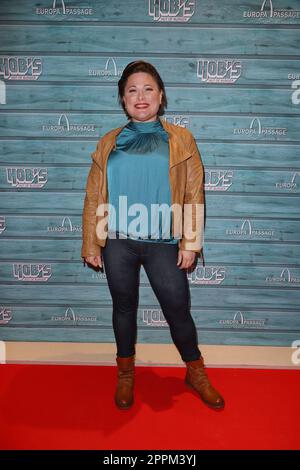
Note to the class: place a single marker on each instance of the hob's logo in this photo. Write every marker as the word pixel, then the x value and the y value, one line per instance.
pixel 219 70
pixel 172 10
pixel 154 317
pixel 32 271
pixel 180 121
pixel 20 68
pixel 207 275
pixel 218 180
pixel 25 177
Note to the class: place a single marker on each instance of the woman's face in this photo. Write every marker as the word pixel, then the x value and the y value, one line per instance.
pixel 142 97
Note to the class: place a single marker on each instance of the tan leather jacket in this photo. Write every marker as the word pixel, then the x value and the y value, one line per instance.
pixel 186 183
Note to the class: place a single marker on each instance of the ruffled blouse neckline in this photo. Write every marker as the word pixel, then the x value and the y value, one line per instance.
pixel 142 137
pixel 147 127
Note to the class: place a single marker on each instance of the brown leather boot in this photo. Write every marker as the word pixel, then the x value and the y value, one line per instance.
pixel 124 391
pixel 196 378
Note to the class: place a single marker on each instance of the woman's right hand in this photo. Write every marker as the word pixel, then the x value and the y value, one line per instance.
pixel 94 261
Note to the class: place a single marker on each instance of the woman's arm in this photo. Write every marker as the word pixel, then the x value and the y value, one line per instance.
pixel 193 213
pixel 89 246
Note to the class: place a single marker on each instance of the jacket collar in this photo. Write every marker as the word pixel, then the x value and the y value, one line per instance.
pixel 178 150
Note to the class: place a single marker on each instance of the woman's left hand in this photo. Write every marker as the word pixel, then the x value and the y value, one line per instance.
pixel 185 259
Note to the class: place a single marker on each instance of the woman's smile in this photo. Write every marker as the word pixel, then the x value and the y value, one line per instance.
pixel 141 105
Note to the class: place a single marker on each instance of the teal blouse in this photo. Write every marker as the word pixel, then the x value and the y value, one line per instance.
pixel 138 183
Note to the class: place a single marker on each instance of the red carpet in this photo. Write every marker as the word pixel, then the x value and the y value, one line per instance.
pixel 71 407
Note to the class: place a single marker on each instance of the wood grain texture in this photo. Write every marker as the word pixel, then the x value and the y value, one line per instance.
pixel 142 11
pixel 244 116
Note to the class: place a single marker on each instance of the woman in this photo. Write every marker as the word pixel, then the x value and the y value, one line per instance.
pixel 151 168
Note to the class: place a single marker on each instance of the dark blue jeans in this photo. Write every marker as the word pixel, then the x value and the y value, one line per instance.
pixel 122 261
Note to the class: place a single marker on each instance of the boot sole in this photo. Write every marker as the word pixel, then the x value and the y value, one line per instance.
pixel 214 407
pixel 123 407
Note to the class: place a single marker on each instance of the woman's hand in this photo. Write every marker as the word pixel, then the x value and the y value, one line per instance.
pixel 94 261
pixel 185 259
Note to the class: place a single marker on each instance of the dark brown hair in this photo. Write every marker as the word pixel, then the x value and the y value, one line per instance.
pixel 146 67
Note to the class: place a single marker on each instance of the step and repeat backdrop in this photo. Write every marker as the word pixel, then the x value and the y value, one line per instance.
pixel 232 76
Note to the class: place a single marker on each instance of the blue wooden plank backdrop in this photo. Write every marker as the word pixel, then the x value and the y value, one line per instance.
pixel 94 68
pixel 151 11
pixel 217 228
pixel 222 154
pixel 176 40
pixel 231 71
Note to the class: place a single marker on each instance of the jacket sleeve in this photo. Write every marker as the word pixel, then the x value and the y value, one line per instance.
pixel 93 185
pixel 193 212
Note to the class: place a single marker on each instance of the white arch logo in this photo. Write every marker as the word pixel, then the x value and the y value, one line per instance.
pixel 255 123
pixel 67 223
pixel 62 4
pixel 270 4
pixel 65 117
pixel 297 173
pixel 111 61
pixel 247 221
pixel 282 275
pixel 238 318
pixel 70 315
